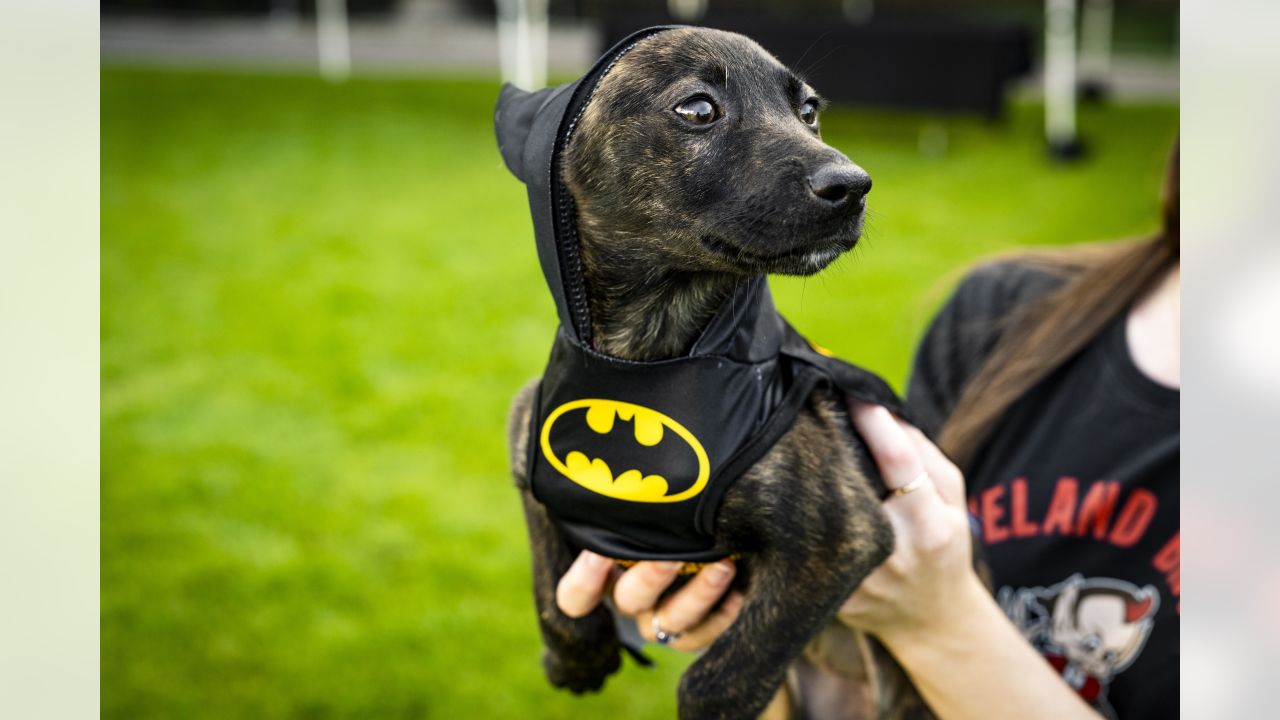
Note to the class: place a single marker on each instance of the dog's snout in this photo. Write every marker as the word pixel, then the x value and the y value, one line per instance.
pixel 840 183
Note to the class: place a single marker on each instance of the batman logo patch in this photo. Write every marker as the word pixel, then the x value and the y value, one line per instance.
pixel 625 451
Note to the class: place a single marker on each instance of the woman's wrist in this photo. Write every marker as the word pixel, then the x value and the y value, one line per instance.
pixel 966 602
pixel 968 656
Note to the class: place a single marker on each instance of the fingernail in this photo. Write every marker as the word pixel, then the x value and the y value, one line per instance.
pixel 671 565
pixel 720 573
pixel 594 561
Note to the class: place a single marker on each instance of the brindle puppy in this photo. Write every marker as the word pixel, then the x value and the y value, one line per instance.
pixel 699 159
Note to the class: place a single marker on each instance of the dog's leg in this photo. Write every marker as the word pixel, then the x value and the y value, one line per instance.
pixel 790 600
pixel 846 674
pixel 579 652
pixel 897 698
pixel 813 529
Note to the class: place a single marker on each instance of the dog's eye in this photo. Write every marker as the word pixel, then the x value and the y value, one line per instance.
pixel 698 110
pixel 809 112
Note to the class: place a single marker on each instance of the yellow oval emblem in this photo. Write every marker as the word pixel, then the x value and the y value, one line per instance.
pixel 632 485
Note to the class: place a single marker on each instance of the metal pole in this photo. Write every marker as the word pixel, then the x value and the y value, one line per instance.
pixel 1060 79
pixel 687 10
pixel 522 42
pixel 1095 47
pixel 507 59
pixel 333 39
pixel 539 36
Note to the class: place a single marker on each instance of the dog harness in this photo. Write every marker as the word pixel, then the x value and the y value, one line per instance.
pixel 631 459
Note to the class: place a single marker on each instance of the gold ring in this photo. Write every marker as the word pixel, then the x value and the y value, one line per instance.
pixel 914 485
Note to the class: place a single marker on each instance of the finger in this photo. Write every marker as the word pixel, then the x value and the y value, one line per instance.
pixel 917 509
pixel 582 586
pixel 702 635
pixel 639 587
pixel 947 478
pixel 913 507
pixel 690 604
pixel 892 449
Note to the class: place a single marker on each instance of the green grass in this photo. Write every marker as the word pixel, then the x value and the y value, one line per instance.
pixel 317 301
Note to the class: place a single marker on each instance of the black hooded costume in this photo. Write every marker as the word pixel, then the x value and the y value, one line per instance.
pixel 631 459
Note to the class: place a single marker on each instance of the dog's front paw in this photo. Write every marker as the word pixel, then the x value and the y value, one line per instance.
pixel 709 694
pixel 710 708
pixel 581 672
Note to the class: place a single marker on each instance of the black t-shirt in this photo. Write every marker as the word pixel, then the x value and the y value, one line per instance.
pixel 1075 496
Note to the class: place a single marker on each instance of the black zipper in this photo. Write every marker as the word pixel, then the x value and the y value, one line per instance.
pixel 571 261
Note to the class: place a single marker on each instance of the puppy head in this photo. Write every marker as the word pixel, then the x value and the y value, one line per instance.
pixel 699 151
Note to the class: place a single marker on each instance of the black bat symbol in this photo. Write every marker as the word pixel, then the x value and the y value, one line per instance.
pixel 625 451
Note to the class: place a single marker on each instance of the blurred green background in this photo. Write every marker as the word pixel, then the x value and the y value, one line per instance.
pixel 317 302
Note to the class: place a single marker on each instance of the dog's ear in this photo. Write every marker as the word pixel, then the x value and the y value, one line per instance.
pixel 512 119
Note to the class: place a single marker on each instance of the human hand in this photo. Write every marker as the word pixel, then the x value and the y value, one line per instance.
pixel 687 614
pixel 925 583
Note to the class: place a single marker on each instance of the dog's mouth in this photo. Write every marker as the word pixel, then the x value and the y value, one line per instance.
pixel 801 261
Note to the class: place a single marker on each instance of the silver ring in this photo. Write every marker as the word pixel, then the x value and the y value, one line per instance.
pixel 913 486
pixel 662 636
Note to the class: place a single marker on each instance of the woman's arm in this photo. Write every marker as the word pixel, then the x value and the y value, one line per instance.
pixel 927 604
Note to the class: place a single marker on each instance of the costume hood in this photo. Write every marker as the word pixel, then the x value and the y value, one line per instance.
pixel 533 128
pixel 631 459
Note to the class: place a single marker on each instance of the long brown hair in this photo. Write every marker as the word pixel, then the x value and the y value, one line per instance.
pixel 1100 282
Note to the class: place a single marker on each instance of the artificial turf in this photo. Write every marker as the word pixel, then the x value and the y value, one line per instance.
pixel 317 301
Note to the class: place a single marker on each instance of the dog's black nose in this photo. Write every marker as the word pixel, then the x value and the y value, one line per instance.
pixel 840 183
